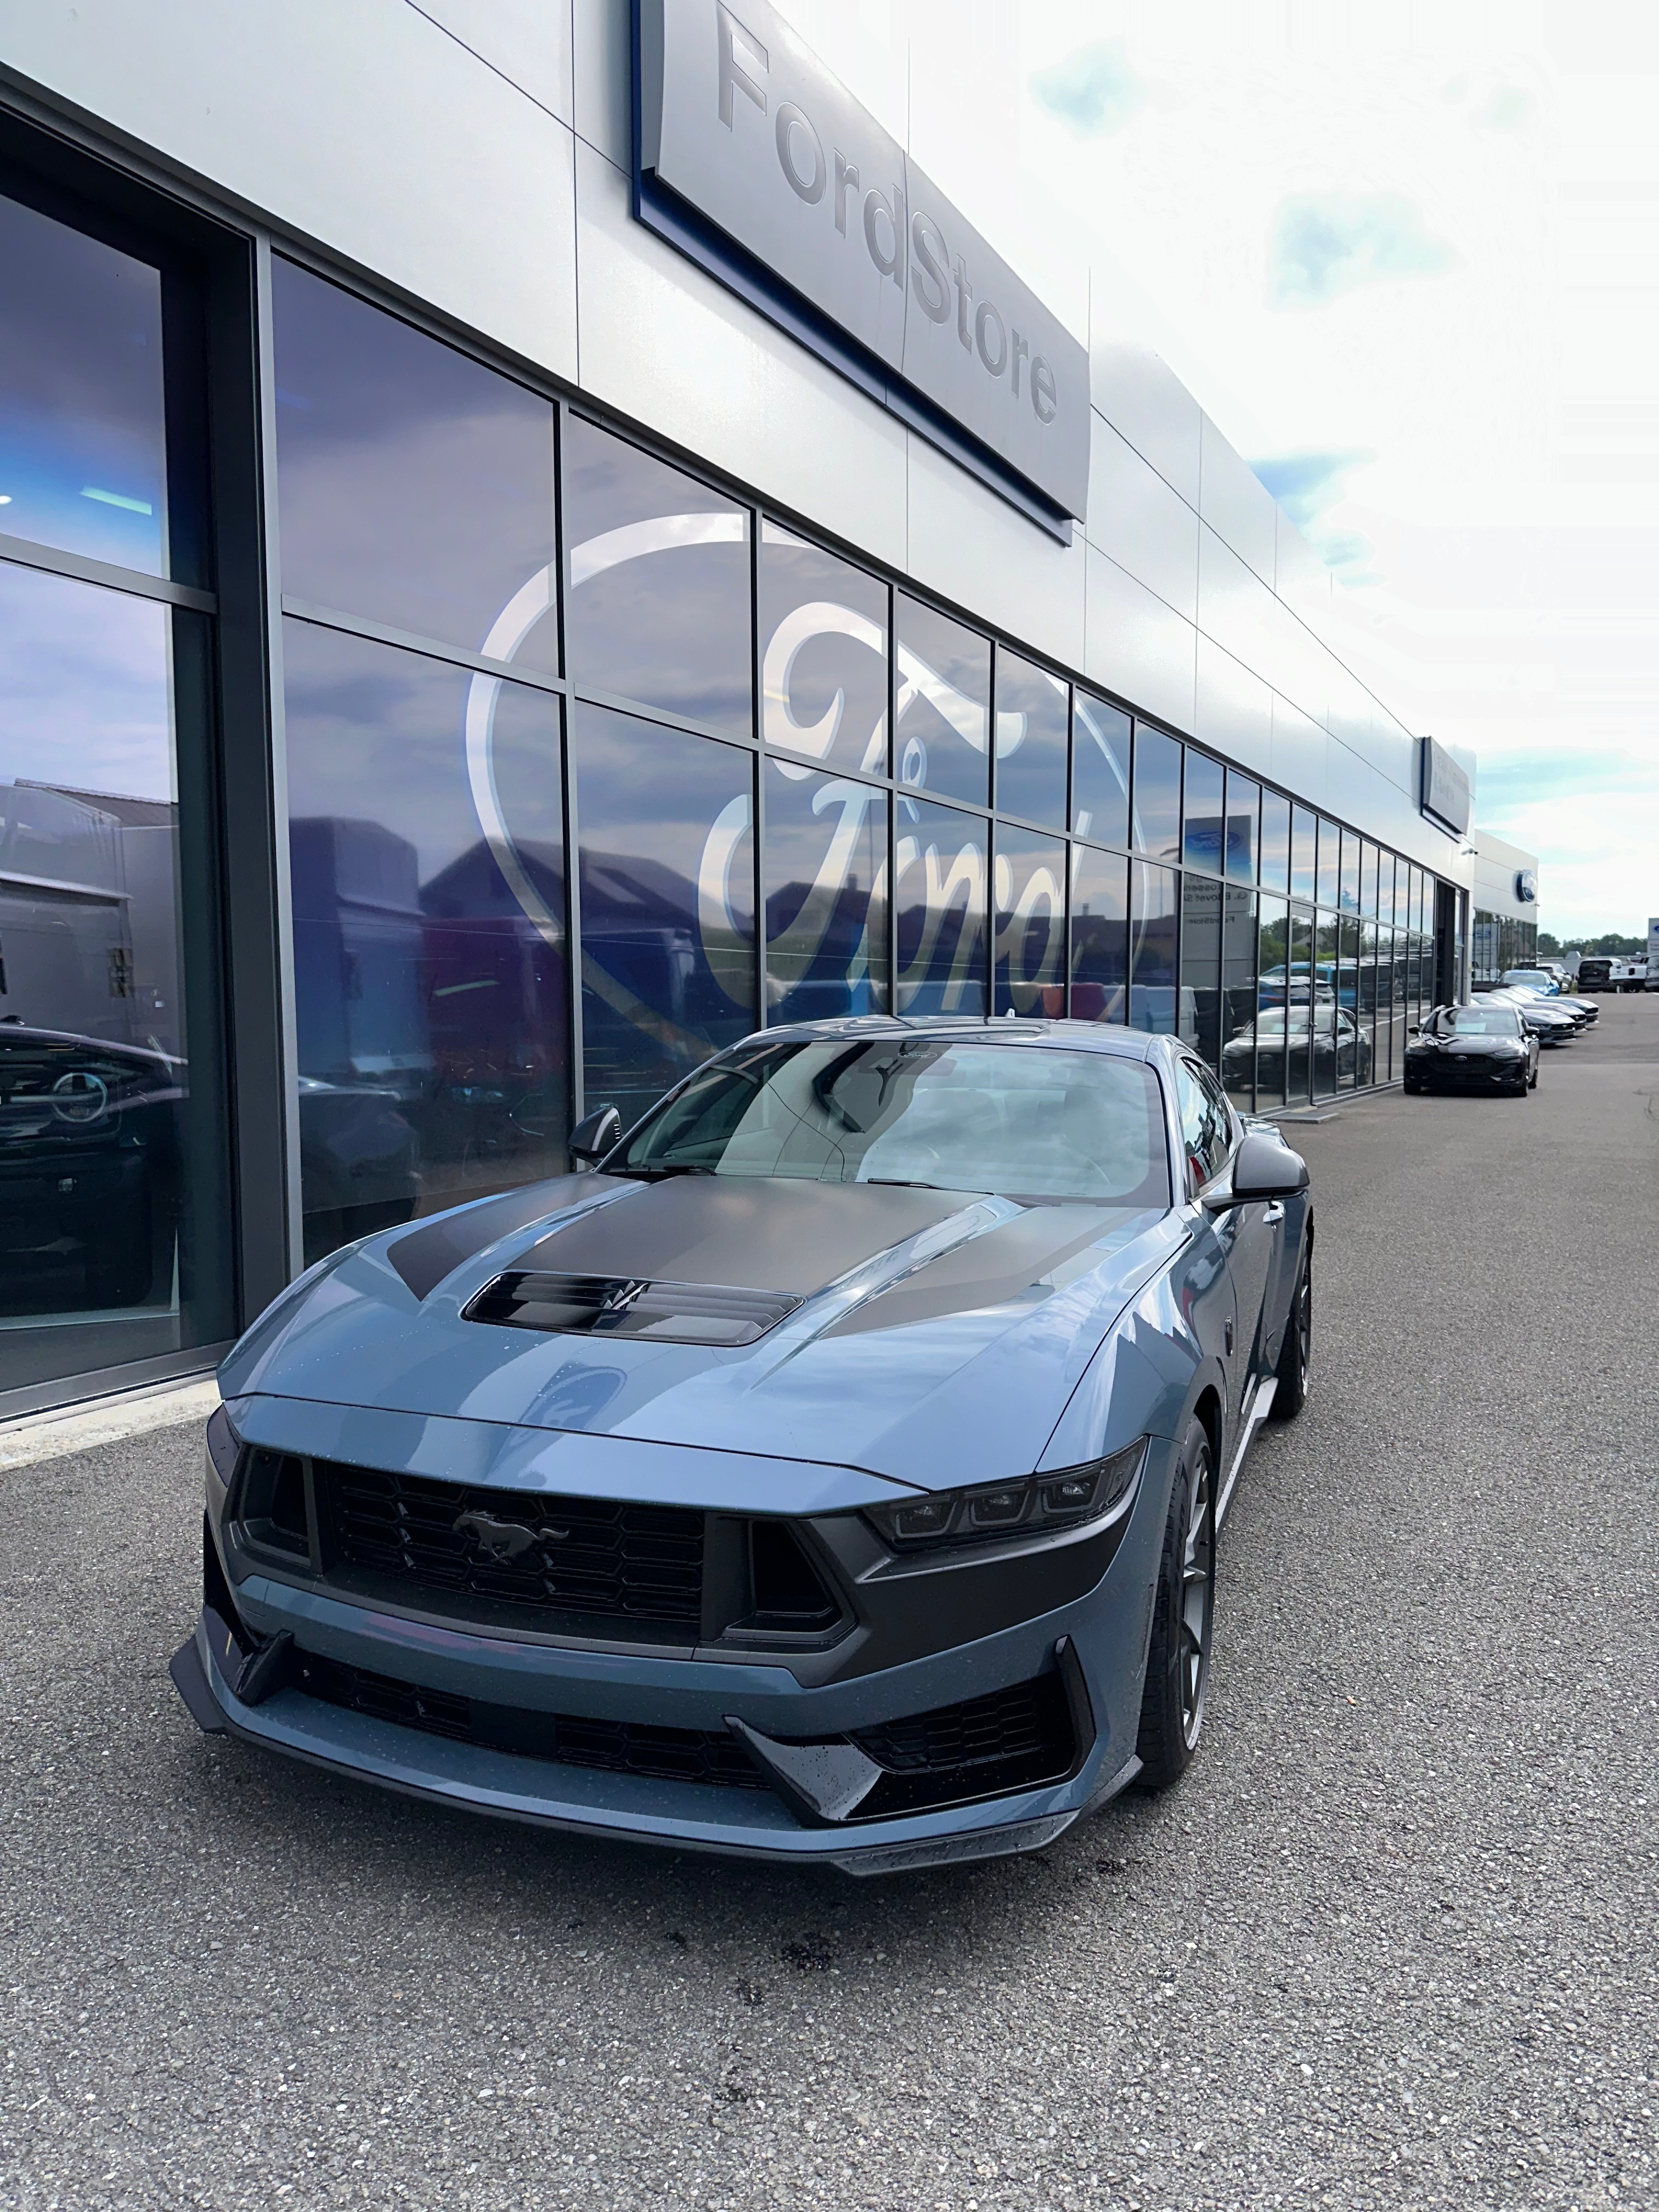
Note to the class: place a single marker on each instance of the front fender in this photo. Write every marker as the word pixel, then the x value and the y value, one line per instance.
pixel 1145 1379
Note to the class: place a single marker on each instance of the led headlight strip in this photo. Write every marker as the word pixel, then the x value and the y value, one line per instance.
pixel 1040 1505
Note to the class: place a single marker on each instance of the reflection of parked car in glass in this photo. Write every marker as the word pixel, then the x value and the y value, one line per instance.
pixel 359 1162
pixel 88 1171
pixel 1485 1047
pixel 1342 1054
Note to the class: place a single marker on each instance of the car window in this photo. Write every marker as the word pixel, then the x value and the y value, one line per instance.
pixel 949 1113
pixel 1206 1131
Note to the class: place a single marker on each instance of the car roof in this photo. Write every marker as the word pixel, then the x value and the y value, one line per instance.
pixel 1107 1037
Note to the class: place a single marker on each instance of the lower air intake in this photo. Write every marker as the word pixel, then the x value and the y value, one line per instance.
pixel 662 1755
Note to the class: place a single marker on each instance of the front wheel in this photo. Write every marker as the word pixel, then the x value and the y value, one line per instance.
pixel 1183 1620
pixel 1291 1375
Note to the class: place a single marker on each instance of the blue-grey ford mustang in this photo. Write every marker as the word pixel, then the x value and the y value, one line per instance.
pixel 832 1474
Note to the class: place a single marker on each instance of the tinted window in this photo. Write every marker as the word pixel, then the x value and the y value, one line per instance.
pixel 1385 887
pixel 1330 851
pixel 416 485
pixel 101 1187
pixel 1478 1021
pixel 1368 881
pixel 1272 957
pixel 943 704
pixel 1349 889
pixel 950 1116
pixel 1201 963
pixel 1304 835
pixel 1238 953
pixel 1157 823
pixel 1032 718
pixel 826 895
pixel 429 944
pixel 823 654
pixel 82 451
pixel 942 890
pixel 1100 772
pixel 1205 1129
pixel 1100 936
pixel 1203 820
pixel 667 903
pixel 1275 841
pixel 1029 922
pixel 659 583
pixel 1154 918
pixel 1243 811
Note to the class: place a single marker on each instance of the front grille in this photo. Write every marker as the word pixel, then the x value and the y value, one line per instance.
pixel 1012 1739
pixel 574 1562
pixel 663 1754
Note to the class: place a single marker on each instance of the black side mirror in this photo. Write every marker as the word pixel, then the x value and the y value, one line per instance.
pixel 1264 1167
pixel 1413 1031
pixel 594 1135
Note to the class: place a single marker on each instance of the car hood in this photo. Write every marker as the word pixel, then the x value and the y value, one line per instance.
pixel 936 1339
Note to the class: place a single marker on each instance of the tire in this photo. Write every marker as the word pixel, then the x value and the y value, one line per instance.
pixel 1532 1080
pixel 1183 1620
pixel 1291 1372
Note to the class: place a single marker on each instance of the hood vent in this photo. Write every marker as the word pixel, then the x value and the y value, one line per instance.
pixel 610 1305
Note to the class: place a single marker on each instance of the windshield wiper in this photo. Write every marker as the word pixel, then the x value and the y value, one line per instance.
pixel 656 1170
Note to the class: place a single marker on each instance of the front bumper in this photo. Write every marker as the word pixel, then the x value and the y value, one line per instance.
pixel 794 1803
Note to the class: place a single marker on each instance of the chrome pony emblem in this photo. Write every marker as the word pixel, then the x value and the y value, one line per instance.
pixel 505 1540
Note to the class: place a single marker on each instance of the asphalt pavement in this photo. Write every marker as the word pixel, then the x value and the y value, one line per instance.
pixel 1392 1941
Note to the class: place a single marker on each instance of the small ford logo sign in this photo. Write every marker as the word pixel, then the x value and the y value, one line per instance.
pixel 1526 886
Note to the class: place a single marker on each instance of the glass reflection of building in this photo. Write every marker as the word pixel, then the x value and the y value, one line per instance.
pixel 588 765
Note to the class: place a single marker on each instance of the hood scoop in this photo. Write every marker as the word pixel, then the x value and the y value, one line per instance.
pixel 615 1305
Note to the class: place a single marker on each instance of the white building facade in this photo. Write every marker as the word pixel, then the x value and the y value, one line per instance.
pixel 484 624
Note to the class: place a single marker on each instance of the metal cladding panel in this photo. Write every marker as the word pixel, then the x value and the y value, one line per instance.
pixel 741 122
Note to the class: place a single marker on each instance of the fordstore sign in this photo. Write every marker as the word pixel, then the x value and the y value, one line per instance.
pixel 753 158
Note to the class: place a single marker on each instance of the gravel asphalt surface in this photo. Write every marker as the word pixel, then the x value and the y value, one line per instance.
pixel 1391 1942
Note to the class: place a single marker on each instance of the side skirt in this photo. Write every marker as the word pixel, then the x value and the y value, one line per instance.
pixel 1261 1400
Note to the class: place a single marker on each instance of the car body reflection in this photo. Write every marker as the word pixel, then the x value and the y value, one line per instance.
pixel 1341 1051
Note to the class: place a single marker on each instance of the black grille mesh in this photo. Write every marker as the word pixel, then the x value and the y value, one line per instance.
pixel 1013 1739
pixel 584 1559
pixel 666 1754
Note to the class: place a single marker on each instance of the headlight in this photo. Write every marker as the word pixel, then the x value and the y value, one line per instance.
pixel 1040 1505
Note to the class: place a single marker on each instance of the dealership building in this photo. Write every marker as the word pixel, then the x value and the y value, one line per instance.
pixel 536 540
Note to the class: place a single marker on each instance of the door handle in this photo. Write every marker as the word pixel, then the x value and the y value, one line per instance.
pixel 1273 1212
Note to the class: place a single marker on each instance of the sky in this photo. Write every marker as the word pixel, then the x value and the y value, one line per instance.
pixel 1408 260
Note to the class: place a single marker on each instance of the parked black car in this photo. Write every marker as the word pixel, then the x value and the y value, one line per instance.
pixel 1485 1047
pixel 1541 1018
pixel 88 1169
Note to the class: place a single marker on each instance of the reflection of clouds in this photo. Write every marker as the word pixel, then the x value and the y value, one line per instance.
pixel 1324 244
pixel 949 876
pixel 1031 905
pixel 818 618
pixel 1095 91
pixel 85 686
pixel 660 533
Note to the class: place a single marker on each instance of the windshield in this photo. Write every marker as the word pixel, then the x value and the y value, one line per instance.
pixel 1013 1121
pixel 1531 979
pixel 1479 1021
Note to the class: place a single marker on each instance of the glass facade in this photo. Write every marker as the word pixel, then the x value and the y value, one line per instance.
pixel 1498 942
pixel 591 767
pixel 113 1219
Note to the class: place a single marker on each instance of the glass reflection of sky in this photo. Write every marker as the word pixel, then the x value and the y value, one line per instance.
pixel 1244 806
pixel 825 866
pixel 1202 839
pixel 1156 794
pixel 659 583
pixel 667 899
pixel 1031 740
pixel 1029 884
pixel 85 687
pixel 1275 841
pixel 416 485
pixel 943 704
pixel 941 909
pixel 1153 915
pixel 82 453
pixel 1100 772
pixel 823 654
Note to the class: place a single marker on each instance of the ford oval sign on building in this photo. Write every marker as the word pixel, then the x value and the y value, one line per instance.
pixel 752 157
pixel 1526 887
